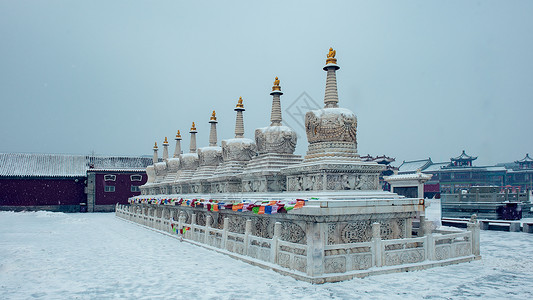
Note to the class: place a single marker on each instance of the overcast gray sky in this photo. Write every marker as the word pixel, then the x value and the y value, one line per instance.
pixel 425 78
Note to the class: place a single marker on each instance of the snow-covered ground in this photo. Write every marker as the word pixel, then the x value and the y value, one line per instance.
pixel 97 256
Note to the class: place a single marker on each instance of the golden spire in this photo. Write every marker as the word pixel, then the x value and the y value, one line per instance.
pixel 213 116
pixel 155 145
pixel 331 57
pixel 276 86
pixel 239 103
pixel 193 127
pixel 165 142
pixel 178 135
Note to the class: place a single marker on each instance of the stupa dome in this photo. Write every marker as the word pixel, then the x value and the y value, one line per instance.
pixel 238 149
pixel 189 161
pixel 210 156
pixel 275 139
pixel 331 124
pixel 160 168
pixel 173 164
pixel 150 172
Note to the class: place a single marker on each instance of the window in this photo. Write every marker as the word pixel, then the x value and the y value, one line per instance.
pixel 110 177
pixel 109 188
pixel 135 188
pixel 136 178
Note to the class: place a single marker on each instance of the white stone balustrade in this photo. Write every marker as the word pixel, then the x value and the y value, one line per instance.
pixel 316 261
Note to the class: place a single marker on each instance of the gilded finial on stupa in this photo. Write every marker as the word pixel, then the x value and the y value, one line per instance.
pixel 276 86
pixel 193 127
pixel 239 103
pixel 178 135
pixel 155 145
pixel 331 57
pixel 213 116
pixel 165 142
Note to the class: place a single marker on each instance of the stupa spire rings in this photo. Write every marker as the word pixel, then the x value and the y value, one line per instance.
pixel 331 97
pixel 155 159
pixel 177 150
pixel 213 132
pixel 165 149
pixel 275 115
pixel 239 122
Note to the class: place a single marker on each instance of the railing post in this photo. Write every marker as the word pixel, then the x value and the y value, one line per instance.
pixel 225 234
pixel 473 227
pixel 429 245
pixel 193 227
pixel 206 231
pixel 247 232
pixel 274 249
pixel 378 248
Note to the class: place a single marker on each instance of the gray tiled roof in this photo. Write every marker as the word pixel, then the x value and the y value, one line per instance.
pixel 64 165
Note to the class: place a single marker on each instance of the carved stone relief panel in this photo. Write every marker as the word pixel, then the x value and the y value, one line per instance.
pixel 237 224
pixel 292 232
pixel 335 264
pixel 356 232
pixel 261 227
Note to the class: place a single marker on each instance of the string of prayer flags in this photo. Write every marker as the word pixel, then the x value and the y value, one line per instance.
pixel 256 207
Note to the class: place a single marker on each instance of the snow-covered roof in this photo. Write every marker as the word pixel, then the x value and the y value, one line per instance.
pixel 436 167
pixel 464 156
pixel 414 165
pixel 525 159
pixel 413 176
pixel 64 165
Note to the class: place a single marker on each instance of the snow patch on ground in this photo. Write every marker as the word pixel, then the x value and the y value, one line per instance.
pixel 47 255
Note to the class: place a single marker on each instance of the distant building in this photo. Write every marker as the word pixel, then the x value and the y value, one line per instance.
pixel 460 174
pixel 69 183
pixel 466 189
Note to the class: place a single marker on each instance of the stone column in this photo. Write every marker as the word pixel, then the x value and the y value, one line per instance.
pixel 213 131
pixel 192 148
pixel 155 158
pixel 177 151
pixel 239 122
pixel 473 227
pixel 165 149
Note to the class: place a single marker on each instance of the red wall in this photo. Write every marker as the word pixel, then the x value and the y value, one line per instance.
pixel 122 185
pixel 38 191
